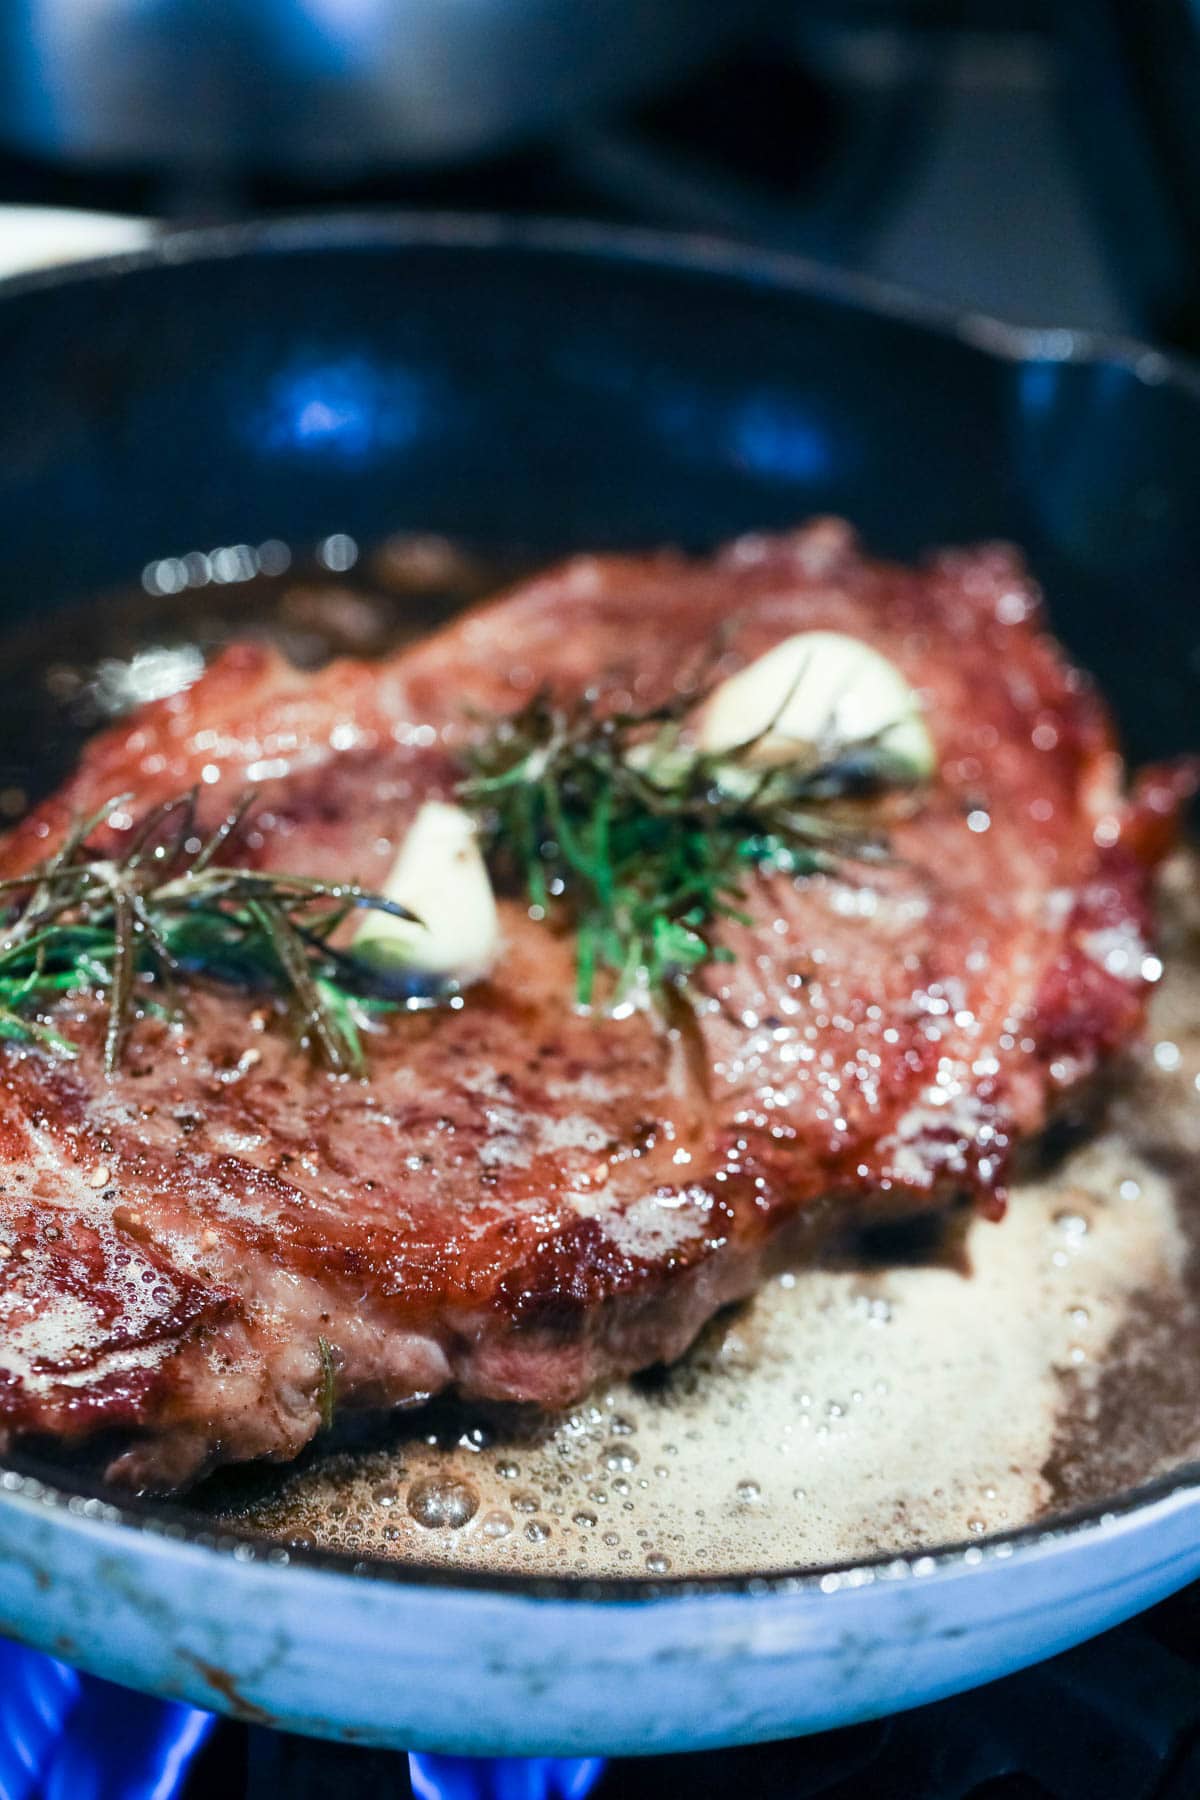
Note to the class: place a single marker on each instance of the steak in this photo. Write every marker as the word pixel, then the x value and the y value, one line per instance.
pixel 519 1199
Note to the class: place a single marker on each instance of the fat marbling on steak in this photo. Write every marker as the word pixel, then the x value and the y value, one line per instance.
pixel 520 1200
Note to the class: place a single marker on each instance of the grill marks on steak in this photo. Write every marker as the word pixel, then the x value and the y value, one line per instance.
pixel 521 1200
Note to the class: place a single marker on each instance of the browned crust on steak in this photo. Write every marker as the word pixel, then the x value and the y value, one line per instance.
pixel 522 1200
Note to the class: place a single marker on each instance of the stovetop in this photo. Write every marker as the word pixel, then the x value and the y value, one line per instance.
pixel 922 143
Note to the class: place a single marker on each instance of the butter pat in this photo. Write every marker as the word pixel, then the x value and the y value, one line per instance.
pixel 439 875
pixel 818 690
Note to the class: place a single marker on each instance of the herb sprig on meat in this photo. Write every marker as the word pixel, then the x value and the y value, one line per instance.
pixel 645 843
pixel 168 908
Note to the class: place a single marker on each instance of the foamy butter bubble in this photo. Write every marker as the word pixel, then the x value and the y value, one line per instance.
pixel 442 1503
pixel 845 1411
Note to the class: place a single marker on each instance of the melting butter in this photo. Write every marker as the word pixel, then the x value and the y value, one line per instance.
pixel 441 877
pixel 817 688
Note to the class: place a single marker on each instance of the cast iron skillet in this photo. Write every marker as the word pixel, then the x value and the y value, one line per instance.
pixel 553 387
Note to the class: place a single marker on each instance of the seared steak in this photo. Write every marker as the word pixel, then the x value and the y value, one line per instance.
pixel 520 1200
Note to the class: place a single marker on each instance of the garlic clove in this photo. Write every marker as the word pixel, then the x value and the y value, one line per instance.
pixel 439 875
pixel 816 689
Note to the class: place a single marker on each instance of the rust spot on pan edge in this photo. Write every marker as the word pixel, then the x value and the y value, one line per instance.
pixel 222 1683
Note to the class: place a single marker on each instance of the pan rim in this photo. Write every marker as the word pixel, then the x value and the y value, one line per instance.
pixel 682 252
pixel 705 258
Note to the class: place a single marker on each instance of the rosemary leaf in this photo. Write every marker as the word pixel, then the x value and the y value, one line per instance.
pixel 120 1002
pixel 328 1379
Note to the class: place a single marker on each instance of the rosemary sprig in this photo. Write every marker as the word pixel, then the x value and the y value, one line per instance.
pixel 138 926
pixel 327 1392
pixel 646 843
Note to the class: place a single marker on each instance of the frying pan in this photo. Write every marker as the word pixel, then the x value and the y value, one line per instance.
pixel 557 386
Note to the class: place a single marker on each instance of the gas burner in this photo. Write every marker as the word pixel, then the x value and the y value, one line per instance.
pixel 528 1778
pixel 1117 1719
pixel 64 1736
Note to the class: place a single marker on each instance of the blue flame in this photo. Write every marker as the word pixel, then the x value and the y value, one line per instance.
pixel 504 1777
pixel 65 1736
